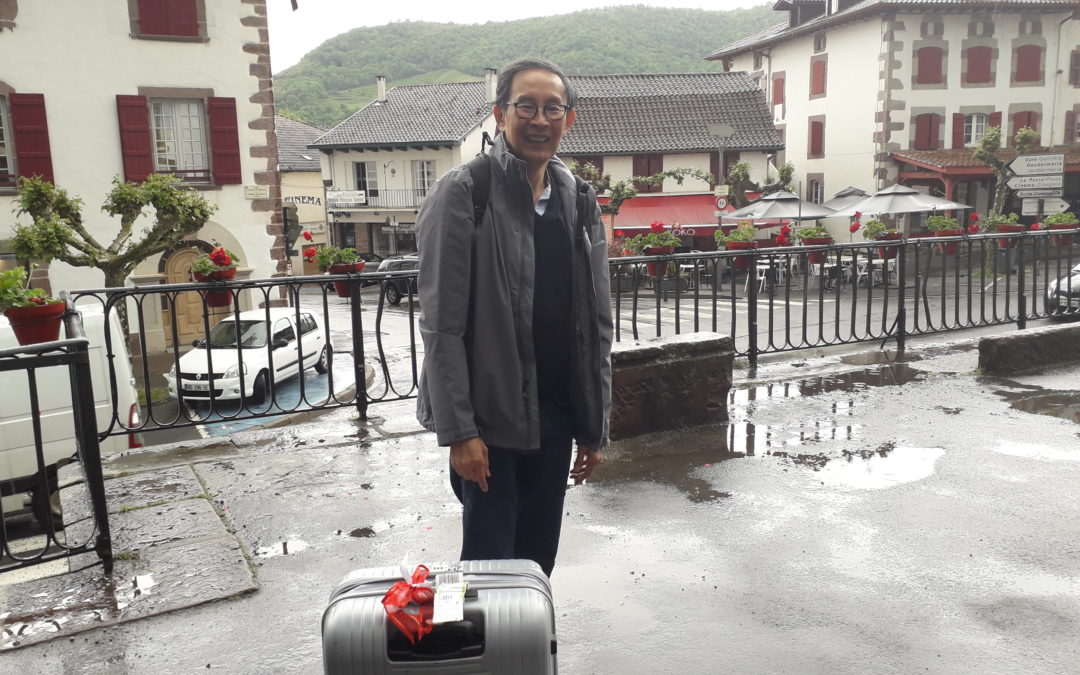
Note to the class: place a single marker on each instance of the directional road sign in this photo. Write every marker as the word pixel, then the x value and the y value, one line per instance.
pixel 1036 182
pixel 1049 206
pixel 1051 192
pixel 1038 165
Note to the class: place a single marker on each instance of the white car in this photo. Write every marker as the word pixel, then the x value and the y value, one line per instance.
pixel 248 347
pixel 1063 294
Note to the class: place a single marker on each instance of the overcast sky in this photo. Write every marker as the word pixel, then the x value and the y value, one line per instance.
pixel 293 34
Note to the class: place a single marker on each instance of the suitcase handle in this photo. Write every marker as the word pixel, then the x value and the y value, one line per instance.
pixel 453 640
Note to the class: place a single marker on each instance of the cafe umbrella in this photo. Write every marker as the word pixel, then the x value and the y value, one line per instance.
pixel 782 205
pixel 845 198
pixel 901 199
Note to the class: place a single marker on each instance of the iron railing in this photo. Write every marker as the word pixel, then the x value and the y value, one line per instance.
pixel 410 198
pixel 786 298
pixel 67 496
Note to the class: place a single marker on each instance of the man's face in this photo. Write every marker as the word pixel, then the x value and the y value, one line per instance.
pixel 534 140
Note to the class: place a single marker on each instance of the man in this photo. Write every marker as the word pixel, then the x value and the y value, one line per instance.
pixel 516 324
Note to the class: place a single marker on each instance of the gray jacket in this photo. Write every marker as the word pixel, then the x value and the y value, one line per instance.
pixel 476 294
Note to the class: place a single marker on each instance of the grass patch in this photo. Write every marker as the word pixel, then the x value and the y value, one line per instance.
pixel 157 395
pixel 126 555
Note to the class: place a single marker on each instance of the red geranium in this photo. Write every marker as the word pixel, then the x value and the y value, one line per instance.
pixel 854 227
pixel 785 230
pixel 858 215
pixel 309 253
pixel 782 239
pixel 656 227
pixel 307 235
pixel 973 228
pixel 620 233
pixel 974 216
pixel 220 257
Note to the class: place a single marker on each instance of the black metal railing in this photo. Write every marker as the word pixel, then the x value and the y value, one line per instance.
pixel 769 300
pixel 51 455
pixel 409 198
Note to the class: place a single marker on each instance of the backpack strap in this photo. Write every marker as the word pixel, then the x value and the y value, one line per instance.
pixel 584 213
pixel 480 169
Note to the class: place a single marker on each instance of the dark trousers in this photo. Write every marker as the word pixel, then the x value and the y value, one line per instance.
pixel 520 516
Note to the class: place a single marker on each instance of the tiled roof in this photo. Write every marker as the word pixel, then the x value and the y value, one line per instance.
pixel 423 114
pixel 624 114
pixel 963 157
pixel 293 138
pixel 781 32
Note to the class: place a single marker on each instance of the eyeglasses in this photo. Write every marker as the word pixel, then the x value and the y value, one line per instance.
pixel 553 111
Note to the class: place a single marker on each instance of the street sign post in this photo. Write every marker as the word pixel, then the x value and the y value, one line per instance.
pixel 1029 194
pixel 1049 207
pixel 1036 182
pixel 1038 165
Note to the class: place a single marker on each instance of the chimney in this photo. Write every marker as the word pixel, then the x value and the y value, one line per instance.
pixel 489 85
pixel 380 88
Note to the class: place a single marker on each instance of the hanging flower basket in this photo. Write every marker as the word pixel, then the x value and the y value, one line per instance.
pixel 816 257
pixel 36 323
pixel 949 247
pixel 344 288
pixel 657 250
pixel 742 262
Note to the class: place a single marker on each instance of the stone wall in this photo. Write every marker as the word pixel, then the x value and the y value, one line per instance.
pixel 1029 350
pixel 670 383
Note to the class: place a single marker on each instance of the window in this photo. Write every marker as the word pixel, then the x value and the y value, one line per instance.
pixel 367 179
pixel 816 192
pixel 758 60
pixel 927 132
pixel 818 70
pixel 979 61
pixel 24 138
pixel 974 128
pixel 1028 60
pixel 932 28
pixel 929 61
pixel 179 139
pixel 1024 118
pixel 307 324
pixel 645 166
pixel 816 144
pixel 1074 69
pixel 170 18
pixel 283 330
pixel 190 136
pixel 423 175
pixel 819 43
pixel 778 89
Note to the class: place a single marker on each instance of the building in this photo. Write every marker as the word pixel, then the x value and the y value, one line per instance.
pixel 302 184
pixel 132 87
pixel 876 92
pixel 382 160
pixel 643 125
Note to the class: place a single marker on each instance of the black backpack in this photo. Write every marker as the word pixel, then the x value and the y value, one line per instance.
pixel 480 169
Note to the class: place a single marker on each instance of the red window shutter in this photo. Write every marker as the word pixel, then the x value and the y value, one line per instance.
pixel 978 65
pixel 926 131
pixel 1028 63
pixel 224 141
pixel 817 138
pixel 168 17
pixel 30 131
pixel 958 130
pixel 994 119
pixel 817 77
pixel 778 91
pixel 929 71
pixel 1070 127
pixel 935 132
pixel 135 149
pixel 1024 119
pixel 1074 69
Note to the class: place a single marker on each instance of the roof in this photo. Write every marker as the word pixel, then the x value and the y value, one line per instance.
pixel 626 114
pixel 963 158
pixel 781 32
pixel 293 138
pixel 415 115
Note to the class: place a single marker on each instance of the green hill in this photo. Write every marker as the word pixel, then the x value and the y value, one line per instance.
pixel 338 77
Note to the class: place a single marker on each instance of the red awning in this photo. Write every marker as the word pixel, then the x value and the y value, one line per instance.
pixel 694 211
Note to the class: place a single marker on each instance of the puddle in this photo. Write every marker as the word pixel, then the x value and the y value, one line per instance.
pixel 856 380
pixel 877 358
pixel 1062 404
pixel 290 547
pixel 880 469
pixel 1038 451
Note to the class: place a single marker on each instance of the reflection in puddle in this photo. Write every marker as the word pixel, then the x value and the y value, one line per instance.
pixel 1063 404
pixel 897 374
pixel 1038 451
pixel 882 469
pixel 878 357
pixel 281 548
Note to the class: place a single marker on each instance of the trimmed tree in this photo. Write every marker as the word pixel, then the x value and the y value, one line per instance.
pixel 987 151
pixel 619 191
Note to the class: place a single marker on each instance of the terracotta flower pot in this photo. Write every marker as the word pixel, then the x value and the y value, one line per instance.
pixel 657 250
pixel 817 257
pixel 888 252
pixel 1005 228
pixel 219 298
pixel 218 275
pixel 742 263
pixel 344 288
pixel 1061 239
pixel 948 248
pixel 37 323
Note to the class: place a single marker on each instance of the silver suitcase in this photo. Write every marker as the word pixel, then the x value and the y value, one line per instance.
pixel 508 626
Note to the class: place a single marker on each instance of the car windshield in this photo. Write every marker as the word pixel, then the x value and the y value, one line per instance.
pixel 252 334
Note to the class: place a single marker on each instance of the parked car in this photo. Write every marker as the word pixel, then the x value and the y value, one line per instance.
pixel 18 457
pixel 1064 294
pixel 399 287
pixel 245 346
pixel 370 258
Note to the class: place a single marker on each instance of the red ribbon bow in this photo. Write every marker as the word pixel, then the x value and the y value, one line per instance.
pixel 403 596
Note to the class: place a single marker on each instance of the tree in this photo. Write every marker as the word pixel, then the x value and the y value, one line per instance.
pixel 619 191
pixel 57 231
pixel 987 151
pixel 739 180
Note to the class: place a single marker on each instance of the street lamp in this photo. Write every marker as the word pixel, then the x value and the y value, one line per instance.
pixel 722 132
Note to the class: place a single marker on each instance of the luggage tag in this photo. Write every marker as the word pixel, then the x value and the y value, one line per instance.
pixel 449 597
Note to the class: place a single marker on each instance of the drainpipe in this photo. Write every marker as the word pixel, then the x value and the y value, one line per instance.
pixel 1057 82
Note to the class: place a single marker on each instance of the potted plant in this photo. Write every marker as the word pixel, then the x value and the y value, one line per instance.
pixel 997 223
pixel 34 316
pixel 334 260
pixel 739 239
pixel 658 241
pixel 944 226
pixel 814 235
pixel 1060 221
pixel 876 230
pixel 217 265
pixel 621 280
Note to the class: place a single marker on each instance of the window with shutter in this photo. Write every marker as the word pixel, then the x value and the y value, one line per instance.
pixel 995 119
pixel 927 134
pixel 817 139
pixel 974 128
pixel 818 70
pixel 778 90
pixel 135 146
pixel 30 135
pixel 224 141
pixel 1028 63
pixel 1026 118
pixel 595 160
pixel 929 68
pixel 172 18
pixel 1071 130
pixel 1074 69
pixel 645 166
pixel 7 158
pixel 978 65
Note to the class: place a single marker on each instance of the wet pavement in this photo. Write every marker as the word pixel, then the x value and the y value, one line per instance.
pixel 860 513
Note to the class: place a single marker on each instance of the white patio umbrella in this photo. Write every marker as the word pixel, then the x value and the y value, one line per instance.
pixel 845 198
pixel 901 199
pixel 780 205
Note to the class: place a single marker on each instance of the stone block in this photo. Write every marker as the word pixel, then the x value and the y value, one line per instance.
pixel 670 383
pixel 1030 350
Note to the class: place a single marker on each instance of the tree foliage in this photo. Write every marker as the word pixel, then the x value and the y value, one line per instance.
pixel 619 191
pixel 988 151
pixel 338 77
pixel 740 182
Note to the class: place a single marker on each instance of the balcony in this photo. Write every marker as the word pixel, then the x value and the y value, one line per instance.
pixel 344 200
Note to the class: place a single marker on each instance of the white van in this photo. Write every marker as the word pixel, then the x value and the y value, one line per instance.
pixel 18 458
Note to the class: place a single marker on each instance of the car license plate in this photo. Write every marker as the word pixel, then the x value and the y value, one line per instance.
pixel 197 386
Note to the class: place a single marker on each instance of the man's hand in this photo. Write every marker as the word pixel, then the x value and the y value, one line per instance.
pixel 586 462
pixel 470 459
